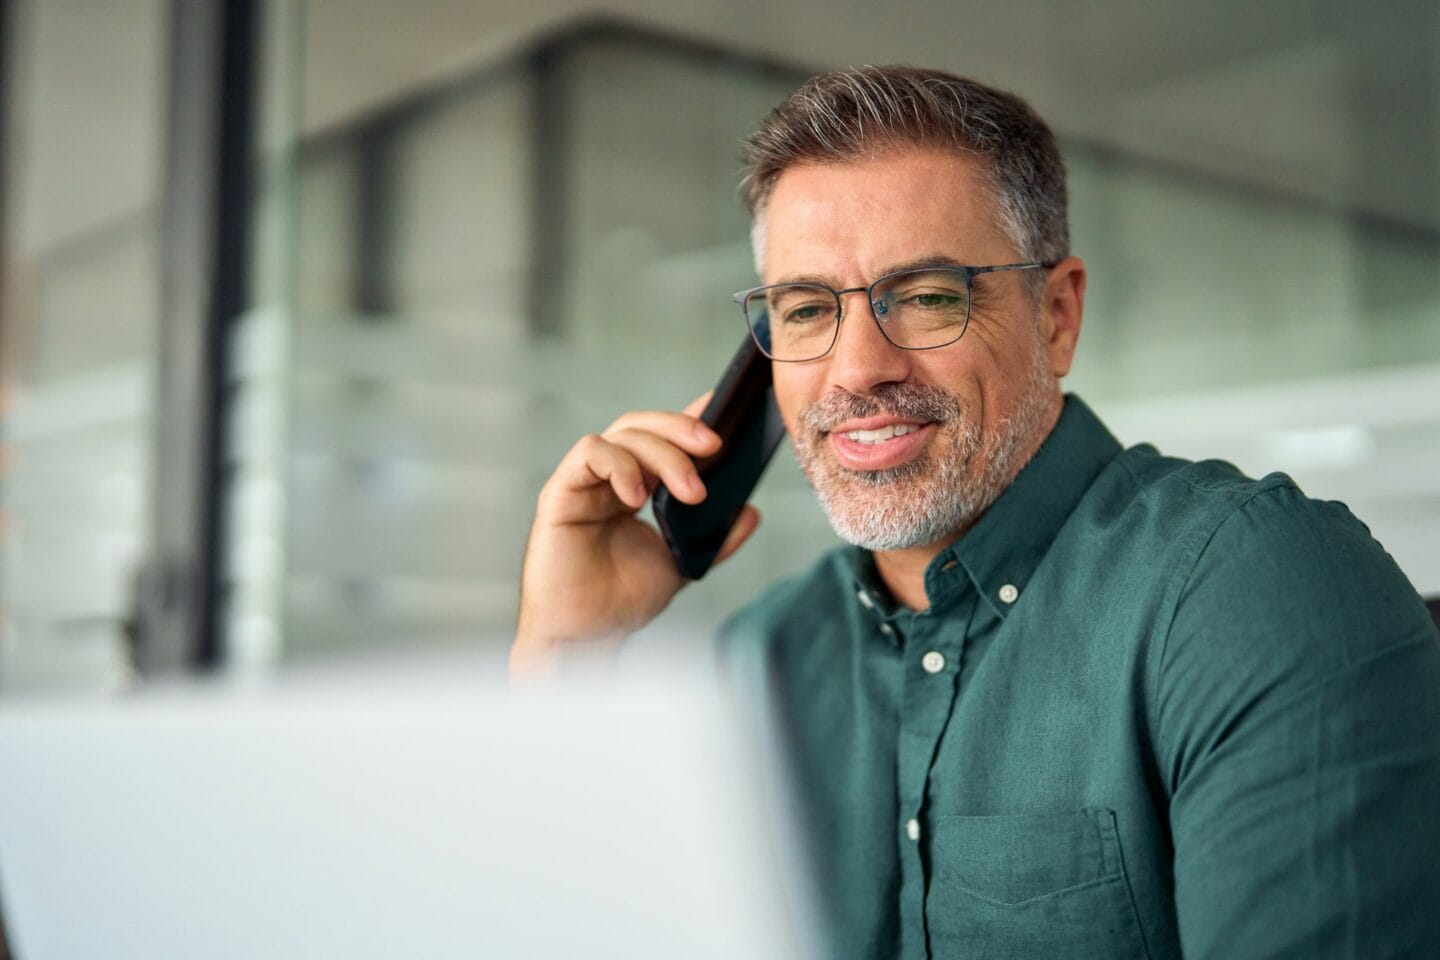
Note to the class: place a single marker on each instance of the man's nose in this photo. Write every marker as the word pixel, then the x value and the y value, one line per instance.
pixel 862 357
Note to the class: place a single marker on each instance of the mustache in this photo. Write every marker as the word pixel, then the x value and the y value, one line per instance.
pixel 911 401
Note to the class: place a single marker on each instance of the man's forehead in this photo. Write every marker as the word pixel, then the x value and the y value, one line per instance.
pixel 873 214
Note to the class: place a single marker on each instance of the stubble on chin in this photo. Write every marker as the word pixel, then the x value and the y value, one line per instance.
pixel 941 491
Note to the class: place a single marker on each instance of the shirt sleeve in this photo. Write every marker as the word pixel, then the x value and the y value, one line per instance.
pixel 1297 707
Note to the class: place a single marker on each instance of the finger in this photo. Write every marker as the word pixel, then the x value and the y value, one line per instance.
pixel 745 525
pixel 663 461
pixel 680 429
pixel 595 463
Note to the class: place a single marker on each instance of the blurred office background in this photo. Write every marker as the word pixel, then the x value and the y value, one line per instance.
pixel 302 300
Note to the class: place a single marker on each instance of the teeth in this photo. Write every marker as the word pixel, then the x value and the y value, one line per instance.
pixel 881 435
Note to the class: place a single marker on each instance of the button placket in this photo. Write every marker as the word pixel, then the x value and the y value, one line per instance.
pixel 932 645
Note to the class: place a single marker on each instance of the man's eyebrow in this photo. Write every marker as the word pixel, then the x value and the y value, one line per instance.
pixel 918 263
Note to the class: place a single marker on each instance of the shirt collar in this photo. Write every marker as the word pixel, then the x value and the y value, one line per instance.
pixel 1000 553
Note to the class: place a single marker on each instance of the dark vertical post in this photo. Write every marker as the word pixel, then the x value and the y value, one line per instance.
pixel 373 292
pixel 550 116
pixel 205 271
pixel 1392 101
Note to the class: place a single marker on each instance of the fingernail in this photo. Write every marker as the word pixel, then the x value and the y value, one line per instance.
pixel 703 432
pixel 696 485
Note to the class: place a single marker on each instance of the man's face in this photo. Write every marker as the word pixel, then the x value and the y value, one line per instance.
pixel 907 447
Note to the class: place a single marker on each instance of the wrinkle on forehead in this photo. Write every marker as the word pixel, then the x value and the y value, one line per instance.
pixel 917 263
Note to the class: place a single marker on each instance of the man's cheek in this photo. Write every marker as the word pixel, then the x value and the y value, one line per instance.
pixel 788 399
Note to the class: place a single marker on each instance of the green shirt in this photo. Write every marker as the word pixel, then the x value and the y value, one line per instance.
pixel 1155 709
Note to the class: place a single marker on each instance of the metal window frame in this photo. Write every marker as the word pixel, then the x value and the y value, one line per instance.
pixel 205 275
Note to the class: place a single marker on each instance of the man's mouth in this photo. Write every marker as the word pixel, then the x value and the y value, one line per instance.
pixel 879 431
pixel 882 434
pixel 878 446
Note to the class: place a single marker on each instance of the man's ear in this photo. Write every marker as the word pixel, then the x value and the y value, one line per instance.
pixel 1062 308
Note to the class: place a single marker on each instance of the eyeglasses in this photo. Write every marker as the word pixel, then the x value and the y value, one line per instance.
pixel 916 309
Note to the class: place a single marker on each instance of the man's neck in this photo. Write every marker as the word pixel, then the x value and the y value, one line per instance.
pixel 903 572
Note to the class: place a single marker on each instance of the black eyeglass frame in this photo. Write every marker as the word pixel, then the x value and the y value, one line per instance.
pixel 969 273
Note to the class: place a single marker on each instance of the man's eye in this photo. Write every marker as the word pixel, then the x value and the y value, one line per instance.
pixel 939 300
pixel 806 313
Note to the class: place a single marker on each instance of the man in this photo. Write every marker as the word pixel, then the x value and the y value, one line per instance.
pixel 1058 698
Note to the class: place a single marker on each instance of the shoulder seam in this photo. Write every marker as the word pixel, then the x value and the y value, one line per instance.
pixel 1271 481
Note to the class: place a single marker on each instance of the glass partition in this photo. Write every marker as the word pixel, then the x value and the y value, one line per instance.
pixel 490 267
pixel 493 235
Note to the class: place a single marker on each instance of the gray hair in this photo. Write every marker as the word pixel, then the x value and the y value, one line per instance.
pixel 850 114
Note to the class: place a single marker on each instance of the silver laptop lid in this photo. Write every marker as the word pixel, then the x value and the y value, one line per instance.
pixel 428 819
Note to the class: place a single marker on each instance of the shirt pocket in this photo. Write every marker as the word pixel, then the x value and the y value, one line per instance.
pixel 1030 886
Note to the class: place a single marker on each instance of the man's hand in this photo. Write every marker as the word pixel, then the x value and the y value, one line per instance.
pixel 593 571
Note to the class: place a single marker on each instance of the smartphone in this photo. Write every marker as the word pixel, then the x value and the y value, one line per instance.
pixel 743 412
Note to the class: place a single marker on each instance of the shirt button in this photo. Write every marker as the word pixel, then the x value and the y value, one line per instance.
pixel 886 629
pixel 1009 594
pixel 933 662
pixel 912 828
pixel 864 599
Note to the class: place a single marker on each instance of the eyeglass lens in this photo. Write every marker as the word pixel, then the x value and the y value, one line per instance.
pixel 915 309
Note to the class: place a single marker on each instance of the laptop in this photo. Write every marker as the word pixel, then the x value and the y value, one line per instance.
pixel 433 816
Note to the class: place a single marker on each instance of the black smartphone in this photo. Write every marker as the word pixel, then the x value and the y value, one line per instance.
pixel 743 412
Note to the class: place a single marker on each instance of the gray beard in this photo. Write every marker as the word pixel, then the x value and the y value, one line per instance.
pixel 933 496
